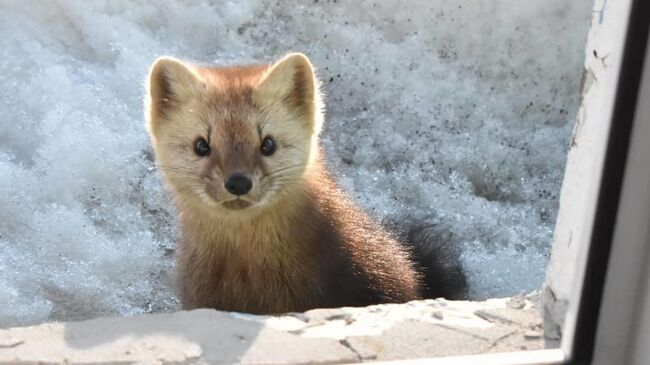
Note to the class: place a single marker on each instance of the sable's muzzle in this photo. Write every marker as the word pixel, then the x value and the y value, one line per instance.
pixel 238 184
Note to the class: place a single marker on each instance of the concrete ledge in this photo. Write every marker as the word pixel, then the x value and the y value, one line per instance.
pixel 324 336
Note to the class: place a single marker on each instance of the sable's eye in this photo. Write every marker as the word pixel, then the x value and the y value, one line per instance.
pixel 268 146
pixel 201 147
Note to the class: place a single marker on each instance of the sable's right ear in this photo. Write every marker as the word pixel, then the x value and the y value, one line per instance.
pixel 171 83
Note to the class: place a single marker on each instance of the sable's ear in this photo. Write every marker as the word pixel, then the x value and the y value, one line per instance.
pixel 292 81
pixel 171 83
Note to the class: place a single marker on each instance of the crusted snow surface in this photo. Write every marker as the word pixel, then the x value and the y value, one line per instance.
pixel 444 113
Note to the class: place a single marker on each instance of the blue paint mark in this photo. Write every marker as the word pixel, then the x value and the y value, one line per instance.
pixel 601 12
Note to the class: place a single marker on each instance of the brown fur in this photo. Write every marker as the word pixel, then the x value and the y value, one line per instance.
pixel 294 242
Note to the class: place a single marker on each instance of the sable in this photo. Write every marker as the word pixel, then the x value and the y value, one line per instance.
pixel 264 227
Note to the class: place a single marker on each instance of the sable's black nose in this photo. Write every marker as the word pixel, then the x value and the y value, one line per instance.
pixel 238 184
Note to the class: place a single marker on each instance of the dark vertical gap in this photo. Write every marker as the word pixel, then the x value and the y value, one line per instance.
pixel 614 167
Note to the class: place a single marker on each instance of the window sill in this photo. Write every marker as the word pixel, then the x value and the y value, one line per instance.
pixel 420 329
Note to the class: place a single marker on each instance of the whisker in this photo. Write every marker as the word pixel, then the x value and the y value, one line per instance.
pixel 184 170
pixel 283 169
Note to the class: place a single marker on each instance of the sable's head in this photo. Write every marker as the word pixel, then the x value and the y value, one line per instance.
pixel 234 138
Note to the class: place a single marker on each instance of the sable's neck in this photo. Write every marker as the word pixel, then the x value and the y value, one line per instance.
pixel 271 224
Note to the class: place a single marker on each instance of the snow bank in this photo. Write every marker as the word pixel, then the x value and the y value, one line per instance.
pixel 451 114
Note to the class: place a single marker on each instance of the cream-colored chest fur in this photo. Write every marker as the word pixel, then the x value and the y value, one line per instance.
pixel 250 265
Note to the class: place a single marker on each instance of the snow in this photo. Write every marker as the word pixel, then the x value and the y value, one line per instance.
pixel 439 112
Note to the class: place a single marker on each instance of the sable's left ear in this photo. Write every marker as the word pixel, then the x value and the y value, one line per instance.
pixel 292 81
